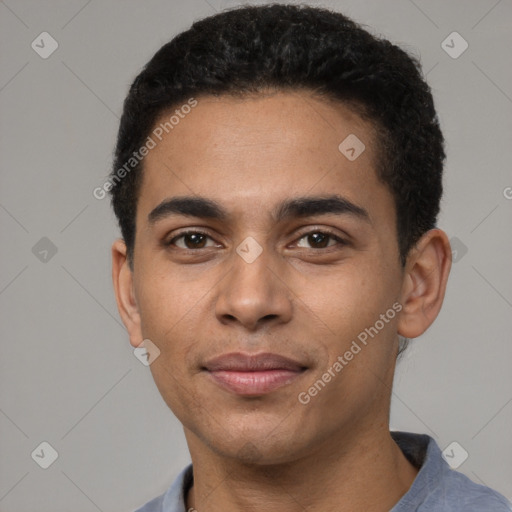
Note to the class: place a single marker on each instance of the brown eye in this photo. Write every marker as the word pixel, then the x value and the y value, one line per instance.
pixel 191 240
pixel 319 240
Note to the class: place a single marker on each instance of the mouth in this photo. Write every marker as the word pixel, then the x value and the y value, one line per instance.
pixel 253 374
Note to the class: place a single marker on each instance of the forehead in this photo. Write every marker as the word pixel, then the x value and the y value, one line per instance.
pixel 251 153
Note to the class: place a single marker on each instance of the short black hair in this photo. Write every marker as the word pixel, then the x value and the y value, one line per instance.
pixel 251 49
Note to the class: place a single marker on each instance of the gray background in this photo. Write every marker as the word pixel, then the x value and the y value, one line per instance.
pixel 68 375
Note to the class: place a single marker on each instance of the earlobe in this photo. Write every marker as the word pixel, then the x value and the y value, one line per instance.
pixel 424 285
pixel 122 277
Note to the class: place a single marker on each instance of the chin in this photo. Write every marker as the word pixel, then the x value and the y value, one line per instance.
pixel 257 447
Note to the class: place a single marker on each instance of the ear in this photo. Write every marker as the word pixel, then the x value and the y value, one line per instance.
pixel 122 277
pixel 426 274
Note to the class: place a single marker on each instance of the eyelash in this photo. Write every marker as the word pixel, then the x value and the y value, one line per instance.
pixel 331 236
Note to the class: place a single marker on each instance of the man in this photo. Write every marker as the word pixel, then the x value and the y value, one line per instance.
pixel 277 180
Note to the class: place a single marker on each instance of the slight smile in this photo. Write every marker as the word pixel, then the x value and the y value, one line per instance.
pixel 253 374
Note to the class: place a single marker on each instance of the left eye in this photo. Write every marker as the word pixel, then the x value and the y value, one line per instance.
pixel 319 240
pixel 191 240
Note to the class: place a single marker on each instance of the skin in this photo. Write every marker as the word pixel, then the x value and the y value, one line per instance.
pixel 300 298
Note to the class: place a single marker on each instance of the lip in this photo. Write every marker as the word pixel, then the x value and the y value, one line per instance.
pixel 253 374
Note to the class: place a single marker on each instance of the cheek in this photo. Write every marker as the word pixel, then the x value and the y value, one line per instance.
pixel 163 306
pixel 167 315
pixel 352 303
pixel 360 345
pixel 352 298
pixel 176 314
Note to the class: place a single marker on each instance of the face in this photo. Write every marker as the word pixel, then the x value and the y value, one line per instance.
pixel 289 248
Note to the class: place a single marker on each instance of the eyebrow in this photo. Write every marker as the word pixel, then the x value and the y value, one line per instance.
pixel 188 206
pixel 309 206
pixel 203 207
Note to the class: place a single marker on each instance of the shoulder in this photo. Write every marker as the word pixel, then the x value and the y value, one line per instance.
pixel 155 505
pixel 173 500
pixel 437 487
pixel 456 492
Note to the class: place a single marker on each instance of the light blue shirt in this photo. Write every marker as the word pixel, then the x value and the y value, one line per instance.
pixel 436 488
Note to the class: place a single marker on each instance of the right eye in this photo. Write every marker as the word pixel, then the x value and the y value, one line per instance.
pixel 191 240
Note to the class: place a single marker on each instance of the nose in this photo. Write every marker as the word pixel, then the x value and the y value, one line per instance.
pixel 253 295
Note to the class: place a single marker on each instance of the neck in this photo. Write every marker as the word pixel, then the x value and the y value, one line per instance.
pixel 367 473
